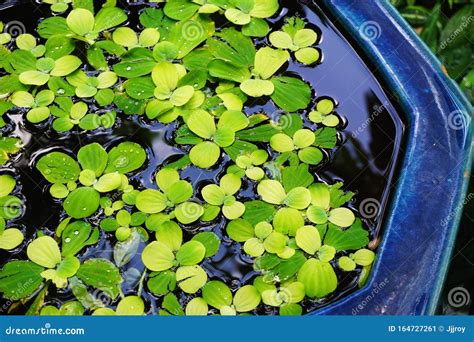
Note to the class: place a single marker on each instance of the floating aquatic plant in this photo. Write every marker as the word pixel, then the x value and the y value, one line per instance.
pixel 91 72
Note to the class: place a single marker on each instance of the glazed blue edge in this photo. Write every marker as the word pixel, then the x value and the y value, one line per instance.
pixel 423 217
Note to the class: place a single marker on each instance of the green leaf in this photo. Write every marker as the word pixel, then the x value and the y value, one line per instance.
pixel 341 217
pixel 281 40
pixel 258 211
pixel 140 88
pixel 346 264
pixel 125 36
pixel 162 283
pixel 188 34
pixel 65 65
pixel 182 95
pixel 217 294
pixel 268 61
pixel 80 21
pixel 338 197
pixel 288 220
pixel 10 238
pixel 93 157
pixel 191 253
pixel 149 37
pixel 170 234
pixel 22 99
pixel 237 17
pixel 291 94
pixel 19 279
pixel 68 267
pixel 318 277
pixel 296 176
pixel 197 307
pixel 180 9
pixel 304 38
pixel 131 306
pixel 275 242
pixel 233 47
pixel 233 120
pixel 151 17
pixel 291 310
pixel 101 274
pixel 58 167
pixel 22 61
pixel 125 158
pixel 53 26
pixel 280 142
pixel 246 298
pixel 262 133
pixel 44 251
pixel 325 137
pixel 76 236
pixel 227 71
pixel 308 239
pixel 307 55
pixel 288 268
pixel 240 230
pixel 256 28
pixel 257 88
pixel 326 253
pixel 363 257
pixel 151 201
pixel 210 241
pixel 191 278
pixel 271 191
pixel 34 77
pixel 7 184
pixel 205 154
pixel 254 247
pixel 134 65
pixel 202 123
pixel 109 17
pixel 298 198
pixel 108 182
pixel 82 202
pixel 264 8
pixel 157 257
pixel 352 238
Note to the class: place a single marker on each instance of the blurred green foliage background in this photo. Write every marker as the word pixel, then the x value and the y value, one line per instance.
pixel 447 27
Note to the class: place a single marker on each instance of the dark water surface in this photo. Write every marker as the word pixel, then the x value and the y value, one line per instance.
pixel 365 159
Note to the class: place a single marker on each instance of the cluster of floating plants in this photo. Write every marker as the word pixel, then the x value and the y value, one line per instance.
pixel 196 65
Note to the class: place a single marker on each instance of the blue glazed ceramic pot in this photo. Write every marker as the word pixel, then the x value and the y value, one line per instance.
pixel 421 225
